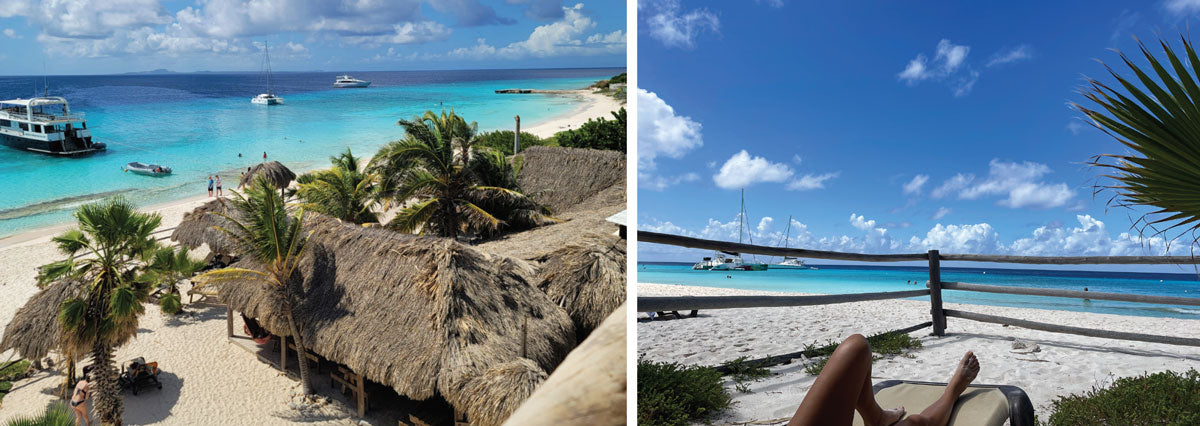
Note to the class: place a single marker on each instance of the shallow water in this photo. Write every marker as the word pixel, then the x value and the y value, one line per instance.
pixel 198 124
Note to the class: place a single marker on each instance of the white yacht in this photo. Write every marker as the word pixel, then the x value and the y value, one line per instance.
pixel 45 125
pixel 268 98
pixel 348 81
pixel 789 263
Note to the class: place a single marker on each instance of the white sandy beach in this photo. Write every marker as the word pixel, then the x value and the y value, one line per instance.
pixel 1065 363
pixel 206 379
pixel 594 105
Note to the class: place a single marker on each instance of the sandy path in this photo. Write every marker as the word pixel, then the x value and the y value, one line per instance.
pixel 1065 364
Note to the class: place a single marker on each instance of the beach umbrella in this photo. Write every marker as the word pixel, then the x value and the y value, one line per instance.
pixel 587 278
pixel 34 330
pixel 422 315
pixel 275 172
pixel 589 388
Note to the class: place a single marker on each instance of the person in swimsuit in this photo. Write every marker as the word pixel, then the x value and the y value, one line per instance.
pixel 210 186
pixel 219 185
pixel 83 390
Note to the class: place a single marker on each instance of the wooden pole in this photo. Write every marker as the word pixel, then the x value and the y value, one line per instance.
pixel 935 294
pixel 362 394
pixel 686 303
pixel 229 322
pixel 1090 332
pixel 283 353
pixel 517 136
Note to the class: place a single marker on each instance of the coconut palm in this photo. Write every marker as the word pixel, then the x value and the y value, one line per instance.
pixel 56 414
pixel 1160 123
pixel 267 232
pixel 343 191
pixel 116 239
pixel 167 267
pixel 427 173
pixel 493 169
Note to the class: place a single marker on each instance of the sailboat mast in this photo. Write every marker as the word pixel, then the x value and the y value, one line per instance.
pixel 270 78
pixel 788 232
pixel 741 215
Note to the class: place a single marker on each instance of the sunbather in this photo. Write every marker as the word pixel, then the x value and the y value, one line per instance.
pixel 844 386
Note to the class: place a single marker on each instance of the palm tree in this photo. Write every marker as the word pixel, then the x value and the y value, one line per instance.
pixel 492 168
pixel 269 234
pixel 424 173
pixel 116 240
pixel 344 191
pixel 1160 124
pixel 168 266
pixel 56 414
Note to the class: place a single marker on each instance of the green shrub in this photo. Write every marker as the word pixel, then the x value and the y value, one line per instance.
pixel 1166 398
pixel 502 140
pixel 171 304
pixel 670 394
pixel 56 414
pixel 597 134
pixel 15 371
pixel 890 343
pixel 743 371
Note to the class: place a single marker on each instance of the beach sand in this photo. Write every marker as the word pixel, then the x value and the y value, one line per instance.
pixel 593 105
pixel 1065 363
pixel 206 379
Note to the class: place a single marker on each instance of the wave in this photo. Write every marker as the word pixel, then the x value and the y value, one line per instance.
pixel 57 204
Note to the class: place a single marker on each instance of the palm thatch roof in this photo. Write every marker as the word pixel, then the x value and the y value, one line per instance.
pixel 34 330
pixel 198 227
pixel 423 315
pixel 587 278
pixel 279 175
pixel 599 364
pixel 561 178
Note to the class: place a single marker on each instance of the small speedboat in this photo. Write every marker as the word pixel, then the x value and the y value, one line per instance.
pixel 147 169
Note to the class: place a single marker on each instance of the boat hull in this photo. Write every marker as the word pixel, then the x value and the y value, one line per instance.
pixel 786 267
pixel 351 85
pixel 55 148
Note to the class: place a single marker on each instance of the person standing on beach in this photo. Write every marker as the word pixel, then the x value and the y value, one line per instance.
pixel 210 186
pixel 83 390
pixel 219 193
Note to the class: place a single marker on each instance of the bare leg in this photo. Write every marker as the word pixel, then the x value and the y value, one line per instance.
pixel 938 413
pixel 843 387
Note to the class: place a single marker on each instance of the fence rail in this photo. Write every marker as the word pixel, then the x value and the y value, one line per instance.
pixel 935 286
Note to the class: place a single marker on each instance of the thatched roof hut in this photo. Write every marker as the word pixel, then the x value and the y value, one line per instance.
pixel 561 178
pixel 198 228
pixel 279 175
pixel 587 278
pixel 34 330
pixel 422 315
pixel 589 388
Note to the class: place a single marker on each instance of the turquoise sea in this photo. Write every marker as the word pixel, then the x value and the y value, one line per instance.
pixel 842 279
pixel 198 124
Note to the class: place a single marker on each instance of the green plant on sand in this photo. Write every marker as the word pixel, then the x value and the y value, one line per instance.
pixel 56 414
pixel 1166 398
pixel 167 267
pixel 12 372
pixel 670 394
pixel 890 343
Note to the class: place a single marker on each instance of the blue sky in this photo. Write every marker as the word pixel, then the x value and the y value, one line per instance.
pixel 884 126
pixel 113 36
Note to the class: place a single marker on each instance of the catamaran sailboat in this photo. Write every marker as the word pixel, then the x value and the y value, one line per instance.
pixel 789 262
pixel 46 125
pixel 344 81
pixel 268 98
pixel 728 260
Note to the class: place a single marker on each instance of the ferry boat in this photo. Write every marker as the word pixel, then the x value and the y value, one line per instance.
pixel 268 98
pixel 344 81
pixel 46 125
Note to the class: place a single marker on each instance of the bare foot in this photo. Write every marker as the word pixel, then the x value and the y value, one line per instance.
pixel 892 416
pixel 966 372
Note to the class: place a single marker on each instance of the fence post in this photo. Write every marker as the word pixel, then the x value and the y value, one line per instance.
pixel 935 294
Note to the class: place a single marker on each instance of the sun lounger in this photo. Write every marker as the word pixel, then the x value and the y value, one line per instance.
pixel 137 373
pixel 979 405
pixel 204 293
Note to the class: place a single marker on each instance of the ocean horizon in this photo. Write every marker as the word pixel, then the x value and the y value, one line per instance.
pixel 844 279
pixel 203 123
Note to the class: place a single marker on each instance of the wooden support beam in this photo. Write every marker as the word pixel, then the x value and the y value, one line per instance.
pixel 1034 291
pixel 1075 260
pixel 685 303
pixel 1090 332
pixel 935 294
pixel 228 322
pixel 361 393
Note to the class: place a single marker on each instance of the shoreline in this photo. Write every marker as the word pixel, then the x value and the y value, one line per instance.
pixel 1062 365
pixel 592 105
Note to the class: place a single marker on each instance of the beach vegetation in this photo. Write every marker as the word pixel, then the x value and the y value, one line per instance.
pixel 671 394
pixel 344 191
pixel 882 345
pixel 1157 121
pixel 13 371
pixel 598 133
pixel 743 371
pixel 117 240
pixel 266 231
pixel 502 140
pixel 428 175
pixel 1164 398
pixel 493 169
pixel 166 268
pixel 56 414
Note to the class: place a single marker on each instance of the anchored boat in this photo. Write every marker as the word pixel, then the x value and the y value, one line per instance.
pixel 268 98
pixel 147 169
pixel 345 81
pixel 46 125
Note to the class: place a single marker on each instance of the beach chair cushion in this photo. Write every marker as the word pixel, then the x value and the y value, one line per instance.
pixel 979 405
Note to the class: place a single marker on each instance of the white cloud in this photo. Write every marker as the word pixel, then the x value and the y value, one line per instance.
pixel 949 64
pixel 742 170
pixel 797 159
pixel 914 186
pixel 1020 184
pixel 1074 127
pixel 1019 53
pixel 92 19
pixel 773 3
pixel 662 133
pixel 10 33
pixel 563 37
pixel 655 182
pixel 1182 7
pixel 861 222
pixel 404 33
pixel 810 181
pixel 977 238
pixel 952 185
pixel 669 25
pixel 941 212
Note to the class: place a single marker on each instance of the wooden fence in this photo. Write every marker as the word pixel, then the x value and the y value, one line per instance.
pixel 935 286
